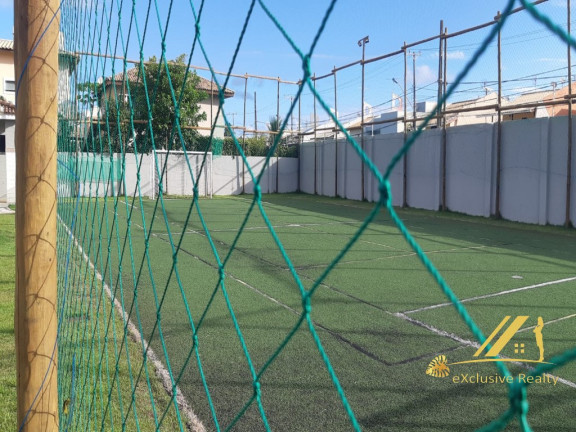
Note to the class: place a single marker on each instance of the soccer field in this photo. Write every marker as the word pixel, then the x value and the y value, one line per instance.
pixel 295 334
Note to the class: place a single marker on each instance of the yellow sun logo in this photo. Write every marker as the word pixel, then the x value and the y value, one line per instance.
pixel 438 367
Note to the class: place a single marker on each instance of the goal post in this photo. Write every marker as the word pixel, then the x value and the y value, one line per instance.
pixel 178 171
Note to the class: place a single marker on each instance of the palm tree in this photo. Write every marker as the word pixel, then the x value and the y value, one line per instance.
pixel 274 127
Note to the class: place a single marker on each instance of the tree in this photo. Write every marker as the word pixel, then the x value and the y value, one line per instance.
pixel 157 99
pixel 89 94
pixel 146 92
pixel 274 127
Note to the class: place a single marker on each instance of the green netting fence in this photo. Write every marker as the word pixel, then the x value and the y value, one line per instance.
pixel 129 285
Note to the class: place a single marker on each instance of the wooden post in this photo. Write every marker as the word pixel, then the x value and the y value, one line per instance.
pixel 36 322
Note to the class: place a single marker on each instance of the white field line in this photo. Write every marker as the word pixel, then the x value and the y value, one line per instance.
pixel 162 373
pixel 480 297
pixel 338 204
pixel 409 254
pixel 290 225
pixel 472 344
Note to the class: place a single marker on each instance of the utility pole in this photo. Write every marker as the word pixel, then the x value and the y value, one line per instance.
pixel 362 43
pixel 255 118
pixel 35 318
pixel 414 55
pixel 291 114
pixel 554 85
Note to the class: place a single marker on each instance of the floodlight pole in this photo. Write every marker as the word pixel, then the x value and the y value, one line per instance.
pixel 362 43
pixel 568 220
pixel 36 324
pixel 499 129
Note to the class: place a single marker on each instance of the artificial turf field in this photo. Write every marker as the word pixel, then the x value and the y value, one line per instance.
pixel 372 313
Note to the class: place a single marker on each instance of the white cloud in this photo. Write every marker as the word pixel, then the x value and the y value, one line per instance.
pixel 425 75
pixel 455 55
pixel 452 55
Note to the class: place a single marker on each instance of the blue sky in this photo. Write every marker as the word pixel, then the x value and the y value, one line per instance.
pixel 389 23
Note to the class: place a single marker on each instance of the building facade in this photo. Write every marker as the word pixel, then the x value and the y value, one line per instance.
pixel 7 123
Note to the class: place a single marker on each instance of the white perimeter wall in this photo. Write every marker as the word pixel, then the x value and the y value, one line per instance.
pixel 8 178
pixel 533 170
pixel 141 177
pixel 228 172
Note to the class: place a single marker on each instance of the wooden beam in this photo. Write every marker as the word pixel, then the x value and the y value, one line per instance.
pixel 36 323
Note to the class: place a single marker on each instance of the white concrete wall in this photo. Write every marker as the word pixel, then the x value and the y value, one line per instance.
pixel 8 178
pixel 423 170
pixel 8 164
pixel 142 177
pixel 524 170
pixel 469 173
pixel 137 166
pixel 353 172
pixel 533 170
pixel 307 167
pixel 227 175
pixel 3 178
pixel 557 169
pixel 11 177
pixel 10 131
pixel 286 168
pixel 385 147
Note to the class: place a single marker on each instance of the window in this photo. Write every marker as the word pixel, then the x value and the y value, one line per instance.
pixel 2 143
pixel 9 85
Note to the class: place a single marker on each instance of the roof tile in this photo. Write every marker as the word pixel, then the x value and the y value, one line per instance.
pixel 204 84
pixel 6 44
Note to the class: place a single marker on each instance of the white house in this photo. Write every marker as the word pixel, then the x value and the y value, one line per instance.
pixel 7 123
pixel 67 63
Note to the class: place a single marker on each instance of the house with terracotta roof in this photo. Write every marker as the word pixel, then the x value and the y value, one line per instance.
pixel 561 94
pixel 118 85
pixel 530 109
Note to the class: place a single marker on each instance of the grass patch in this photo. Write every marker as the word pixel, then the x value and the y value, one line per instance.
pixel 7 351
pixel 80 326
